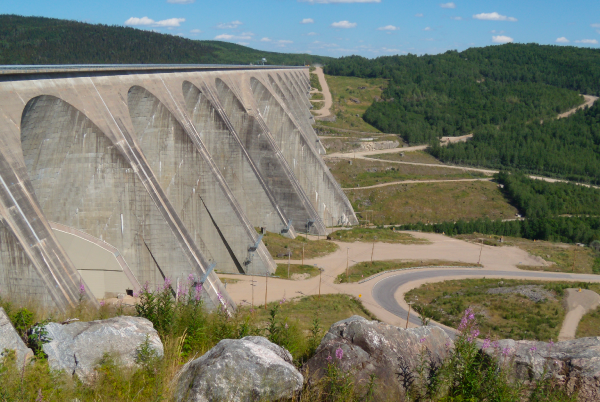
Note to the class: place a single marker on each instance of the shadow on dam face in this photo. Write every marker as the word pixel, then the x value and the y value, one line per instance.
pixel 268 158
pixel 183 175
pixel 82 181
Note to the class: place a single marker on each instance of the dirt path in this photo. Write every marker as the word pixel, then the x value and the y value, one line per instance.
pixel 392 183
pixel 589 101
pixel 578 304
pixel 325 111
pixel 440 248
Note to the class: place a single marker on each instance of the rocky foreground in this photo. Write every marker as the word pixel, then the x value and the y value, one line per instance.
pixel 254 369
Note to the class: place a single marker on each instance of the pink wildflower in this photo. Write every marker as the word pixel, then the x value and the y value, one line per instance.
pixel 486 343
pixel 81 288
pixel 167 283
pixel 533 349
pixel 506 351
pixel 198 290
pixel 421 340
pixel 339 353
pixel 102 303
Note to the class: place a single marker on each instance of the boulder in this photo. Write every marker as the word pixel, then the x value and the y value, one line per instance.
pixel 575 363
pixel 77 347
pixel 240 370
pixel 10 340
pixel 372 347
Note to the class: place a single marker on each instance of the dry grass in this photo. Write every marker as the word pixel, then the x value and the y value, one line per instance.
pixel 414 156
pixel 363 270
pixel 306 271
pixel 342 90
pixel 352 143
pixel 279 246
pixel 589 324
pixel 361 172
pixel 560 254
pixel 432 202
pixel 370 235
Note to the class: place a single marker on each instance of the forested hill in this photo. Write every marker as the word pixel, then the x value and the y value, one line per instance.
pixel 37 40
pixel 457 93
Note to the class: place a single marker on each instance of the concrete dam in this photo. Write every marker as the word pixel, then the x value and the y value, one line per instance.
pixel 122 176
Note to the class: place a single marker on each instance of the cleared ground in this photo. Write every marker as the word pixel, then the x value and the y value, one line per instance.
pixel 414 157
pixel 345 92
pixel 363 270
pixel 363 172
pixel 349 142
pixel 553 257
pixel 296 271
pixel 432 202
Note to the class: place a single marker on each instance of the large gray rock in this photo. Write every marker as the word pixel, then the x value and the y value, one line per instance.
pixel 79 346
pixel 372 347
pixel 10 340
pixel 240 370
pixel 575 363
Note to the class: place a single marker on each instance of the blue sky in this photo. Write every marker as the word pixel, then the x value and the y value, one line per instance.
pixel 342 27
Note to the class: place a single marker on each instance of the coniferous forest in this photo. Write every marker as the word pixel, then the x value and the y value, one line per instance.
pixel 456 93
pixel 38 40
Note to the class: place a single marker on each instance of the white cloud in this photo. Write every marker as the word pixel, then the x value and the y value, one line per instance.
pixel 448 5
pixel 457 18
pixel 312 34
pixel 145 21
pixel 229 25
pixel 496 32
pixel 388 28
pixel 181 1
pixel 307 21
pixel 385 49
pixel 243 43
pixel 234 37
pixel 266 40
pixel 588 41
pixel 493 17
pixel 595 25
pixel 195 31
pixel 338 1
pixel 285 42
pixel 419 15
pixel 247 33
pixel 427 29
pixel 502 39
pixel 562 40
pixel 344 24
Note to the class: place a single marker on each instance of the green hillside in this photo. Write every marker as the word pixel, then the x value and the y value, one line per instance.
pixel 37 40
pixel 456 93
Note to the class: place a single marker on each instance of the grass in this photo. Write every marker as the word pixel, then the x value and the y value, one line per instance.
pixel 302 271
pixel 314 82
pixel 361 172
pixel 413 156
pixel 302 311
pixel 369 235
pixel 589 324
pixel 560 254
pixel 318 105
pixel 432 202
pixel 498 315
pixel 363 270
pixel 352 142
pixel 342 90
pixel 279 246
pixel 229 280
pixel 317 96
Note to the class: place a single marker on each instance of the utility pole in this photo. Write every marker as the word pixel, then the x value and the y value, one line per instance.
pixel 289 256
pixel 373 250
pixel 320 272
pixel 303 254
pixel 480 251
pixel 266 287
pixel 574 254
pixel 347 263
pixel 252 284
pixel 408 316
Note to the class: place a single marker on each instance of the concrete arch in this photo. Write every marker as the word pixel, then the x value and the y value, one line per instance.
pixel 314 176
pixel 234 163
pixel 82 181
pixel 189 184
pixel 269 159
pixel 298 108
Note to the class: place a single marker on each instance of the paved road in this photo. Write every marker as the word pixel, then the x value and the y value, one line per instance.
pixel 385 291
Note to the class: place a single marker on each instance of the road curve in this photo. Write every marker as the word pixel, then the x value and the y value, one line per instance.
pixel 392 183
pixel 385 290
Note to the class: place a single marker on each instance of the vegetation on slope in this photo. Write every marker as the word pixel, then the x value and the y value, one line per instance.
pixel 456 93
pixel 568 148
pixel 37 40
pixel 279 246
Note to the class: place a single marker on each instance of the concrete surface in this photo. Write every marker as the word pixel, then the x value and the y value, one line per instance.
pixel 579 302
pixel 150 163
